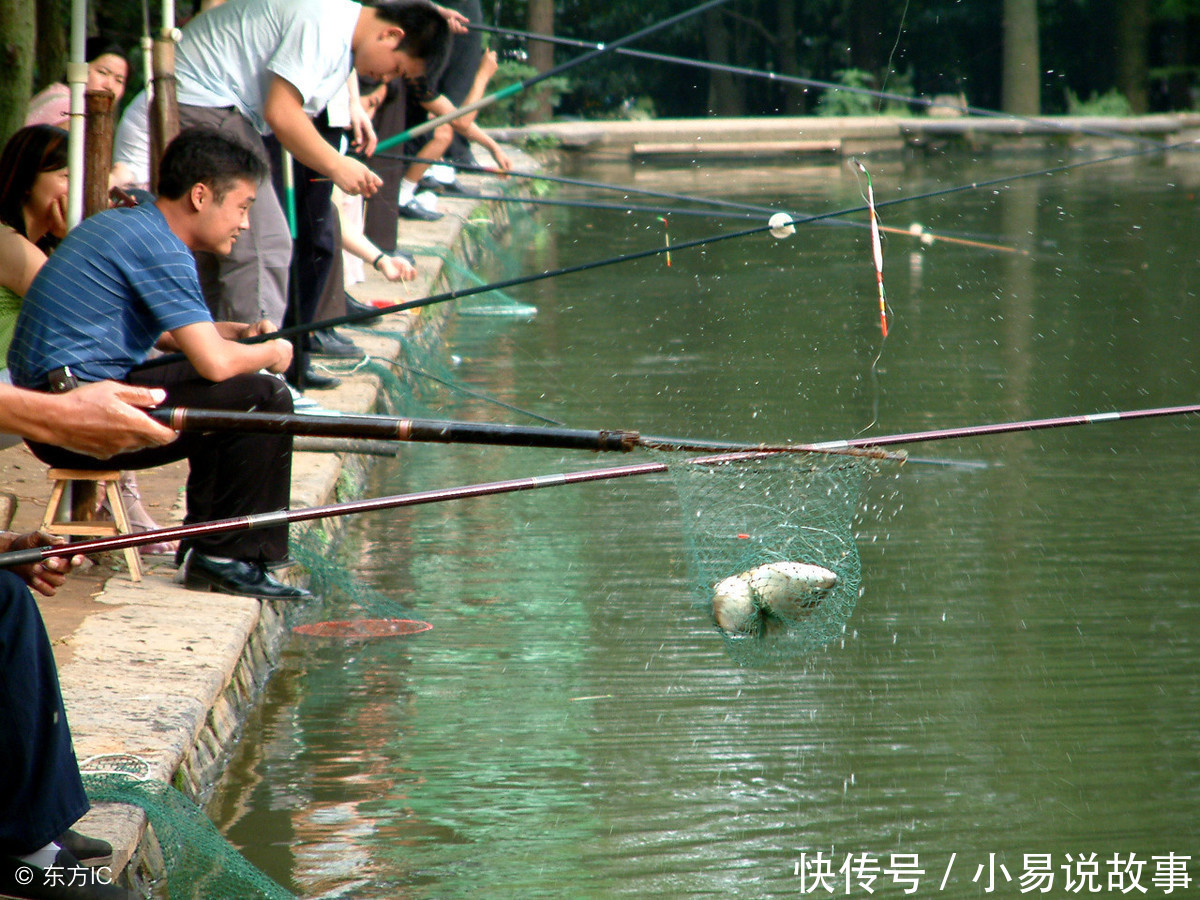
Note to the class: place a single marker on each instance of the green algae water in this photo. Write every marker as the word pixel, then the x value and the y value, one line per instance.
pixel 1012 705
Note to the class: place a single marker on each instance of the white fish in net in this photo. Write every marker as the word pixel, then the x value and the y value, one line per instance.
pixel 784 590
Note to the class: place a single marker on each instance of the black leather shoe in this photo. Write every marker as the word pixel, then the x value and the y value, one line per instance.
pixel 414 210
pixel 439 187
pixel 67 879
pixel 354 308
pixel 88 850
pixel 327 342
pixel 238 576
pixel 312 379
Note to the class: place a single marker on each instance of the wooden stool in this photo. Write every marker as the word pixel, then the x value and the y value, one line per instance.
pixel 79 513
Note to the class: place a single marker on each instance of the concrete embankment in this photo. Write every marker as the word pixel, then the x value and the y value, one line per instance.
pixel 815 136
pixel 164 674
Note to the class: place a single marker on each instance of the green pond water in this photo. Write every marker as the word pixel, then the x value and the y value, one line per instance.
pixel 1013 702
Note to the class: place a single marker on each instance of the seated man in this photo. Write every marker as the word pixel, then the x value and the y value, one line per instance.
pixel 41 793
pixel 125 280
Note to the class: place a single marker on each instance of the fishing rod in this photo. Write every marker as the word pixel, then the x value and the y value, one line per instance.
pixel 776 226
pixel 1042 123
pixel 352 318
pixel 944 434
pixel 284 517
pixel 552 72
pixel 444 431
pixel 289 516
pixel 616 207
pixel 914 231
pixel 182 418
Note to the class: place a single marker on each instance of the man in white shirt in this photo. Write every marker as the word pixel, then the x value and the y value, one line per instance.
pixel 255 67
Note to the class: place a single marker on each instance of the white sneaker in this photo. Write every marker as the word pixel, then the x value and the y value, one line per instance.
pixel 427 200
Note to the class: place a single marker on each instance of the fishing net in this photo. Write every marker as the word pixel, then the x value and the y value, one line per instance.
pixel 361 611
pixel 457 275
pixel 770 546
pixel 421 377
pixel 198 863
pixel 361 629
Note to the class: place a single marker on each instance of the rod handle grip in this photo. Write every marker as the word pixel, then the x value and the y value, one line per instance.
pixel 21 557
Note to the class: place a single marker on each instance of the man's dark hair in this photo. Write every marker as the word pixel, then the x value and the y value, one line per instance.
pixel 204 155
pixel 426 32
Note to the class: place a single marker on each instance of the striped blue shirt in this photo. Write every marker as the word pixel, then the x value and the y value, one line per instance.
pixel 104 297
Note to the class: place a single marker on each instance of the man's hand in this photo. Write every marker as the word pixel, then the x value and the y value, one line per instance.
pixel 101 419
pixel 363 137
pixel 396 269
pixel 502 161
pixel 47 576
pixel 354 178
pixel 456 20
pixel 254 329
pixel 283 348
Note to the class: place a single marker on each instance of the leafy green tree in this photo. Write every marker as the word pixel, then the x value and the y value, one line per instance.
pixel 17 19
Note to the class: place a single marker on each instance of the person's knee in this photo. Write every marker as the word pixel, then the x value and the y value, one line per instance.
pixel 270 393
pixel 16 602
pixel 442 136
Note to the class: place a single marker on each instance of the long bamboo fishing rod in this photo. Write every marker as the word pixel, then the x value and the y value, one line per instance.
pixel 289 516
pixel 445 431
pixel 369 315
pixel 552 72
pixel 388 428
pixel 943 434
pixel 1042 124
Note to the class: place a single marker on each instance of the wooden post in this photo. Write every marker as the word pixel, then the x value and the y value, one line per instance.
pixel 164 108
pixel 97 150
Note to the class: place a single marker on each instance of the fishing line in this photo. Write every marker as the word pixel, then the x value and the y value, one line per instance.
pixel 896 44
pixel 601 205
pixel 469 392
pixel 773 226
pixel 552 72
pixel 1041 124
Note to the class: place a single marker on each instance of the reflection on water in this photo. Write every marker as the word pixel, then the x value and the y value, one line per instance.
pixel 1019 676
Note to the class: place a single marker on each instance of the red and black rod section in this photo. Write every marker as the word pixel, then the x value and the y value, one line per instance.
pixel 289 516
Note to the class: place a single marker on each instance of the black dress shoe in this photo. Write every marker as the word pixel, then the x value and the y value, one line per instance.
pixel 238 576
pixel 88 850
pixel 327 342
pixel 414 210
pixel 312 379
pixel 67 879
pixel 355 308
pixel 440 187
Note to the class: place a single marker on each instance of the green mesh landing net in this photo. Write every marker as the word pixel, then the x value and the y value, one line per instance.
pixel 199 863
pixel 457 275
pixel 779 526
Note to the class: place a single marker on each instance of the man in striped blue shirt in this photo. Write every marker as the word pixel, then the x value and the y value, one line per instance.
pixel 123 282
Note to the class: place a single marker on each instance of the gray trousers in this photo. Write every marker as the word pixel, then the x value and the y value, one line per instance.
pixel 251 283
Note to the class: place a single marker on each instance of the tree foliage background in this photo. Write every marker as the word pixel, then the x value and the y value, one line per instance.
pixel 1147 50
